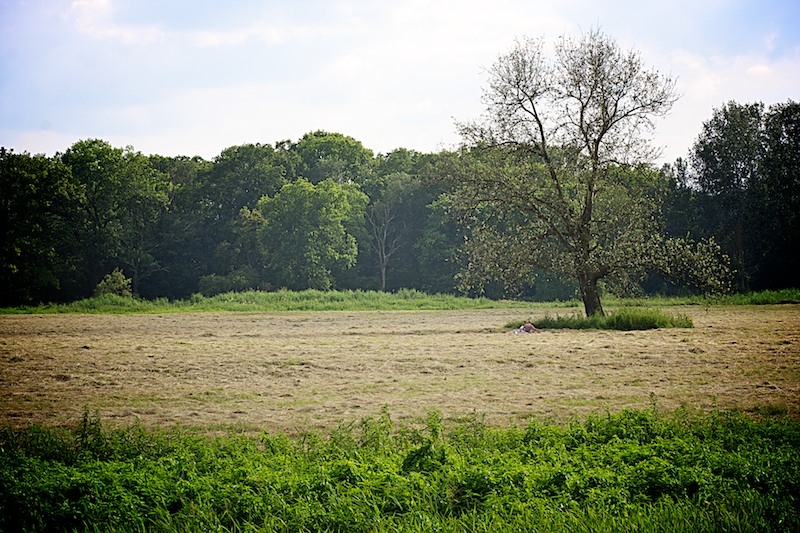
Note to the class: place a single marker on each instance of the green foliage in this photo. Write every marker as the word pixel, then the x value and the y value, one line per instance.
pixel 114 283
pixel 182 225
pixel 114 220
pixel 308 232
pixel 333 156
pixel 624 319
pixel 239 280
pixel 315 300
pixel 632 470
pixel 276 301
pixel 33 191
pixel 784 296
pixel 743 173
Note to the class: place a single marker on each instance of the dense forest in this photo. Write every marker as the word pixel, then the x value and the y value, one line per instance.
pixel 326 212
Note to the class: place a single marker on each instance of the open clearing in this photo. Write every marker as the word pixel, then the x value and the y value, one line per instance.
pixel 295 372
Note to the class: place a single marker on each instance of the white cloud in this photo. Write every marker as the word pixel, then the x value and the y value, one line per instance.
pixel 235 37
pixel 194 78
pixel 759 70
pixel 707 83
pixel 94 19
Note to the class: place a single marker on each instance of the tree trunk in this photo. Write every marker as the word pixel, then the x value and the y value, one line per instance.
pixel 590 295
pixel 384 261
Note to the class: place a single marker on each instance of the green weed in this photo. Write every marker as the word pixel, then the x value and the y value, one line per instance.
pixel 277 301
pixel 627 471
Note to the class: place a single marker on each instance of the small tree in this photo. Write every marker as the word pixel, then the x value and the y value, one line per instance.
pixel 386 219
pixel 114 283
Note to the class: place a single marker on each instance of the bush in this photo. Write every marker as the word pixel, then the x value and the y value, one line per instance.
pixel 240 280
pixel 114 283
pixel 643 318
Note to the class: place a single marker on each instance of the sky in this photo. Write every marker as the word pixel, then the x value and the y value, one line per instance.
pixel 193 77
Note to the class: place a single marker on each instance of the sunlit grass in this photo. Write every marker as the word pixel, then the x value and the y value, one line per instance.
pixel 628 471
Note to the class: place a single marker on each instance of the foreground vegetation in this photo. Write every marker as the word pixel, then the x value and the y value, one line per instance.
pixel 631 471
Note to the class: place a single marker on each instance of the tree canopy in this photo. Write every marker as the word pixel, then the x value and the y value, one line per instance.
pixel 309 232
pixel 553 176
pixel 743 175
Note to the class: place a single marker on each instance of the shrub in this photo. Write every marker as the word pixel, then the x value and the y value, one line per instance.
pixel 114 283
pixel 643 318
pixel 240 280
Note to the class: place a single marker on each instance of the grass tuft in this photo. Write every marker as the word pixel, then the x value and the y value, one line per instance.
pixel 624 319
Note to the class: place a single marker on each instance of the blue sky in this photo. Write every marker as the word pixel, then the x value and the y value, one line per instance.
pixel 192 77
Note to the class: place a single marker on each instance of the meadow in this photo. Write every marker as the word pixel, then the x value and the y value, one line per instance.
pixel 300 371
pixel 400 419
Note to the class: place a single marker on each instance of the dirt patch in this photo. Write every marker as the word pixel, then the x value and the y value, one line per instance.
pixel 299 371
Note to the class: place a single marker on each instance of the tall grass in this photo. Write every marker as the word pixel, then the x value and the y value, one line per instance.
pixel 624 319
pixel 279 301
pixel 630 471
pixel 358 300
pixel 783 296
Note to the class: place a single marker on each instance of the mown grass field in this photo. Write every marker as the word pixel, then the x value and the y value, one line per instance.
pixel 399 420
pixel 293 372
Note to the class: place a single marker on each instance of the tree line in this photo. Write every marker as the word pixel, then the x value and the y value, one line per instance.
pixel 325 212
pixel 741 185
pixel 322 212
pixel 547 198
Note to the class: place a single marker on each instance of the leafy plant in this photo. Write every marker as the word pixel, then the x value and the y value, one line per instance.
pixel 633 470
pixel 114 283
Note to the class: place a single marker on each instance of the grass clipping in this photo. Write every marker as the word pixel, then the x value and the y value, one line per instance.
pixel 625 319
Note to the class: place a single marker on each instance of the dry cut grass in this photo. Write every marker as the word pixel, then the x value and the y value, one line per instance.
pixel 296 372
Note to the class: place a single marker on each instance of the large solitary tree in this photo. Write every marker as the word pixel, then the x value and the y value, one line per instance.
pixel 555 177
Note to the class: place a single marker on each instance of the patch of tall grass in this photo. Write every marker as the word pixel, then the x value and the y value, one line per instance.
pixel 629 471
pixel 767 297
pixel 623 319
pixel 358 300
pixel 279 301
pixel 784 296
